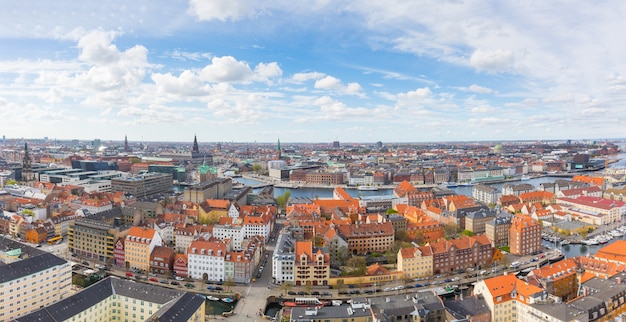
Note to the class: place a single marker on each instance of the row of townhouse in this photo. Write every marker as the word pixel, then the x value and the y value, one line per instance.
pixel 445 256
pixel 206 258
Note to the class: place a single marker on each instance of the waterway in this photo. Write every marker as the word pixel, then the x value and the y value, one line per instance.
pixel 313 193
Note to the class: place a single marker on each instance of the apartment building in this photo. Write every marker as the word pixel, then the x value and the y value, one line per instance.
pixel 558 279
pixel 497 231
pixel 542 197
pixel 162 260
pixel 524 235
pixel 312 266
pixel 486 194
pixel 144 185
pixel 594 210
pixel 138 245
pixel 459 254
pixel 475 221
pixel 506 296
pixel 206 260
pixel 367 238
pixel 116 299
pixel 415 262
pixel 30 279
pixel 284 259
pixel 93 238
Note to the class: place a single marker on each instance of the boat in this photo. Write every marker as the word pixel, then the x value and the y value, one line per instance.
pixel 558 256
pixel 367 188
pixel 525 177
pixel 213 298
pixel 227 300
pixel 565 242
pixel 466 184
pixel 616 233
pixel 591 241
pixel 336 302
pixel 305 302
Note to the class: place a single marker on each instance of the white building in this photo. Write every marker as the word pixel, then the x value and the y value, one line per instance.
pixel 283 259
pixel 235 233
pixel 205 260
pixel 30 279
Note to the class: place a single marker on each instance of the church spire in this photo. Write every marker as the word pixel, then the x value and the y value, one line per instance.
pixel 195 145
pixel 278 150
pixel 126 148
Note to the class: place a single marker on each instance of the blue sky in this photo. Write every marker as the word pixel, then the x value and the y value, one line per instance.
pixel 313 71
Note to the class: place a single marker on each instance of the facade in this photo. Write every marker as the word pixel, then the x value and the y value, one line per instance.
pixel 420 306
pixel 180 265
pixel 30 279
pixel 116 299
pixel 595 210
pixel 497 231
pixel 459 254
pixel 235 233
pixel 93 239
pixel 215 189
pixel 312 267
pixel 475 221
pixel 524 235
pixel 486 194
pixel 206 260
pixel 558 279
pixel 506 296
pixel 138 245
pixel 329 178
pixel 118 253
pixel 144 185
pixel 415 262
pixel 367 238
pixel 284 259
pixel 162 260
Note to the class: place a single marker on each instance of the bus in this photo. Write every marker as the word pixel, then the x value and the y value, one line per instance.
pixel 55 240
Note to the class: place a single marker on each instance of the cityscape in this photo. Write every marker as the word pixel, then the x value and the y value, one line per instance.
pixel 476 231
pixel 312 161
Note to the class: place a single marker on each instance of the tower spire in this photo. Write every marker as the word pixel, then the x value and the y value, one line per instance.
pixel 126 149
pixel 195 145
pixel 278 150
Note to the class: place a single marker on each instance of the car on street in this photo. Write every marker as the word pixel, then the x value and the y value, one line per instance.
pixel 292 293
pixel 178 278
pixel 325 294
pixel 129 274
pixel 315 293
pixel 210 288
pixel 218 288
pixel 163 281
pixel 368 291
pixel 174 283
pixel 189 285
pixel 303 293
pixel 447 280
pixel 387 289
pixel 409 286
pixel 418 285
pixel 153 279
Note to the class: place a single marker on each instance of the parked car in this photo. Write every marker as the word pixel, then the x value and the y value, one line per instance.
pixel 189 285
pixel 178 278
pixel 315 293
pixel 174 283
pixel 153 279
pixel 163 281
pixel 324 294
pixel 210 288
pixel 292 293
pixel 303 293
pixel 447 280
pixel 217 288
pixel 129 274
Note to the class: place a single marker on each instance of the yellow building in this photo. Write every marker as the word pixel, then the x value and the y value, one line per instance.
pixel 116 299
pixel 31 279
pixel 138 246
pixel 310 268
pixel 375 274
pixel 415 262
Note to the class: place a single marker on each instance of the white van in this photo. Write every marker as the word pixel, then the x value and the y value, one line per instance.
pixel 515 265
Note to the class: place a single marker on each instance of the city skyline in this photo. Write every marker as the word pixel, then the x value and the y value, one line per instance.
pixel 242 71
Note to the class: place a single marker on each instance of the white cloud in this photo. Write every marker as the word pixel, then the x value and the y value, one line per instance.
pixel 330 83
pixel 303 77
pixel 226 69
pixel 194 56
pixel 222 10
pixel 97 48
pixel 264 72
pixel 479 89
pixel 493 61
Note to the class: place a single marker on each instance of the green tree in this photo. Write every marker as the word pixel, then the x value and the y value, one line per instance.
pixel 318 241
pixel 229 282
pixel 11 182
pixel 257 167
pixel 283 199
pixel 342 255
pixel 356 262
pixel 467 233
pixel 419 237
pixel 583 234
pixel 391 211
pixel 402 235
pixel 450 230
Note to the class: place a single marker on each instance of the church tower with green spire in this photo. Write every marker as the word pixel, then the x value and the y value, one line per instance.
pixel 278 150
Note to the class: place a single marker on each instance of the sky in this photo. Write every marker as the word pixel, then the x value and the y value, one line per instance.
pixel 313 71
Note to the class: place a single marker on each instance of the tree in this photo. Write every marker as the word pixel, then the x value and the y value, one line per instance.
pixel 308 287
pixel 391 211
pixel 450 230
pixel 318 241
pixel 286 287
pixel 467 233
pixel 283 199
pixel 356 262
pixel 229 282
pixel 11 182
pixel 340 285
pixel 209 310
pixel 342 255
pixel 419 237
pixel 256 167
pixel 583 234
pixel 402 235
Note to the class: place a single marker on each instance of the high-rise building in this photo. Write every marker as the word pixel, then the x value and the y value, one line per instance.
pixel 525 235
